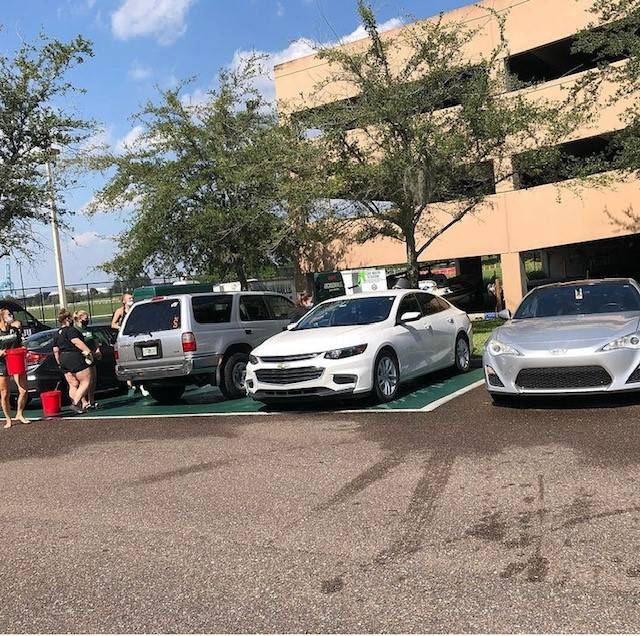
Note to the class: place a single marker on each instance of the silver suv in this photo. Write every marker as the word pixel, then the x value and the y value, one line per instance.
pixel 169 342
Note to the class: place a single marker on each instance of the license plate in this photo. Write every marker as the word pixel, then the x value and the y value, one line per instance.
pixel 147 352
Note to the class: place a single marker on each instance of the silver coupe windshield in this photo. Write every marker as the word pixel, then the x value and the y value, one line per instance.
pixel 577 300
pixel 346 312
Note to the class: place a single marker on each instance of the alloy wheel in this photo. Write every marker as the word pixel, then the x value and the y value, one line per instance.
pixel 463 355
pixel 239 375
pixel 387 376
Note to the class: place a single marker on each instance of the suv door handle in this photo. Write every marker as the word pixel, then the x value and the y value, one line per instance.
pixel 248 331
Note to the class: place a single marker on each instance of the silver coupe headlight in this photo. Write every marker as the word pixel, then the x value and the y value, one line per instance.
pixel 632 341
pixel 497 348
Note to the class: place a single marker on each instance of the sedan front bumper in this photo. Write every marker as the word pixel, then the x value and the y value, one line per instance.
pixel 332 378
pixel 560 371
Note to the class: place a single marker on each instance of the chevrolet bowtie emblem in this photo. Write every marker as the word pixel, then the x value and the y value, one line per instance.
pixel 282 366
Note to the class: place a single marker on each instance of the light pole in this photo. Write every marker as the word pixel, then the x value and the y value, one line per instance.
pixel 57 253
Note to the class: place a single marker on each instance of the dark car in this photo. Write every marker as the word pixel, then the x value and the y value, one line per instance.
pixel 30 324
pixel 43 373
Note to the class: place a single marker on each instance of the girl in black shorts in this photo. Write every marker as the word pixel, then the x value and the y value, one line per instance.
pixel 11 338
pixel 75 360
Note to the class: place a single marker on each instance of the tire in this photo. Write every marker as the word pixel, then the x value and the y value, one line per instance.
pixel 233 376
pixel 386 376
pixel 462 354
pixel 166 393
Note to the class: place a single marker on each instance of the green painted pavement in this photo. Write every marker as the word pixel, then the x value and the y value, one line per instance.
pixel 208 400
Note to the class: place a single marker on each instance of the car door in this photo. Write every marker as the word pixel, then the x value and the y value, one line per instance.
pixel 440 326
pixel 281 309
pixel 410 338
pixel 255 318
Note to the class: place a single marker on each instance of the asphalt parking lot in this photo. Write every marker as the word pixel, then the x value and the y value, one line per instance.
pixel 426 393
pixel 465 518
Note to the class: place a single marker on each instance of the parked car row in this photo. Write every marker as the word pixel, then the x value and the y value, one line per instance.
pixel 243 343
pixel 566 338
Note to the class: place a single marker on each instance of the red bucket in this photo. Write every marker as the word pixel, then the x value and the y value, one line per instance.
pixel 16 361
pixel 51 403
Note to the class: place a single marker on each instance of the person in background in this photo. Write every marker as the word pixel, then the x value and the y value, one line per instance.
pixel 122 311
pixel 75 359
pixel 304 304
pixel 81 322
pixel 11 338
pixel 116 323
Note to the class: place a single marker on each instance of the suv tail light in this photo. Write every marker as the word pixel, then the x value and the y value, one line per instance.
pixel 116 354
pixel 33 357
pixel 188 341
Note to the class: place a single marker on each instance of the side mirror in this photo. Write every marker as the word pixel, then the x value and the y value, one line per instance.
pixel 410 316
pixel 291 326
pixel 505 314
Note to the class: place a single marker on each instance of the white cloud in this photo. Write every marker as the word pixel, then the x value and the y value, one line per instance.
pixel 162 19
pixel 139 73
pixel 298 48
pixel 131 141
pixel 99 141
pixel 279 9
pixel 89 239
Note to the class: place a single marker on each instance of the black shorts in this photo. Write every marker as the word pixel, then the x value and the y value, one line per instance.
pixel 72 361
pixel 4 373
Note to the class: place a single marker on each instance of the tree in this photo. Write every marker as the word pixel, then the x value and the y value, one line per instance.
pixel 424 135
pixel 613 36
pixel 32 123
pixel 211 184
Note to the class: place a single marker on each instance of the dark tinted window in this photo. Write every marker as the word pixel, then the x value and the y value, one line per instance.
pixel 341 313
pixel 212 309
pixel 42 340
pixel 280 306
pixel 408 303
pixel 253 308
pixel 163 315
pixel 431 304
pixel 575 300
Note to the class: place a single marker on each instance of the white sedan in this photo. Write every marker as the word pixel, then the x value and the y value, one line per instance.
pixel 358 345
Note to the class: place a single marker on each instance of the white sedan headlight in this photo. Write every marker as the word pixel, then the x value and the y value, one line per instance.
pixel 497 348
pixel 632 341
pixel 347 352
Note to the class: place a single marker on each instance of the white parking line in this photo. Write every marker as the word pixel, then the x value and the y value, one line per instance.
pixel 447 398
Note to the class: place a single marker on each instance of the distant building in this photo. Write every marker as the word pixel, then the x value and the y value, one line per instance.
pixel 561 233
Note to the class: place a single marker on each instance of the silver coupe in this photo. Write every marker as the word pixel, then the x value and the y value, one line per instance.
pixel 568 338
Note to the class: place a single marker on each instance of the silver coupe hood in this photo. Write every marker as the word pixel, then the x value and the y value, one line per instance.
pixel 570 331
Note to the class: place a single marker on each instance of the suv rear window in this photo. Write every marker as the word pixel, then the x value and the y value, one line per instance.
pixel 280 306
pixel 209 310
pixel 163 315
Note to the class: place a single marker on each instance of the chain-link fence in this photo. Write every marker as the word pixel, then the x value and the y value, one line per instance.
pixel 101 299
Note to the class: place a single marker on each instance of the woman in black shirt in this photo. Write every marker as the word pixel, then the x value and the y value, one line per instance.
pixel 11 338
pixel 75 360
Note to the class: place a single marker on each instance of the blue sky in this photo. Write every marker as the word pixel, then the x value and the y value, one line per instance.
pixel 143 44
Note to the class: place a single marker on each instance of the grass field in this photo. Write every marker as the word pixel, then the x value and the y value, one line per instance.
pixel 481 331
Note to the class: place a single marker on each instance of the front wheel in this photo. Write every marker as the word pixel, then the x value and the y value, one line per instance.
pixel 166 393
pixel 234 374
pixel 386 377
pixel 462 355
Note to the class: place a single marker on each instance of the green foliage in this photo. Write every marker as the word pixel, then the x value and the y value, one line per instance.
pixel 218 188
pixel 431 126
pixel 32 122
pixel 614 34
